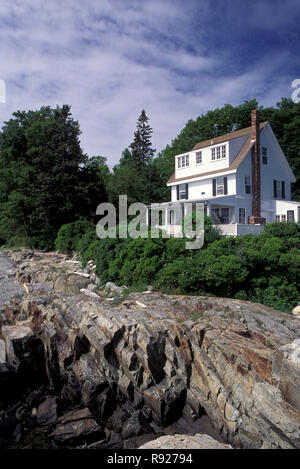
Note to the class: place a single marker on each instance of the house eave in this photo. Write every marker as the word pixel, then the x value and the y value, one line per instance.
pixel 187 179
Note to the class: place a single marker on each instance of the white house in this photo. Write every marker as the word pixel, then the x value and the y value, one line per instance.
pixel 243 178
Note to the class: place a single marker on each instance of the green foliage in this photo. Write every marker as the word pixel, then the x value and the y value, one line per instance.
pixel 71 235
pixel 282 230
pixel 106 251
pixel 45 178
pixel 87 246
pixel 263 268
pixel 210 233
pixel 136 175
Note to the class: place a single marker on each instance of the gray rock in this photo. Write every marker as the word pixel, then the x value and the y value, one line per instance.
pixel 47 412
pixel 2 351
pixel 136 425
pixel 92 287
pixel 112 287
pixel 185 442
pixel 77 427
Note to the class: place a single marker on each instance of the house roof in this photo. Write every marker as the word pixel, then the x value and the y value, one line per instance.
pixel 223 138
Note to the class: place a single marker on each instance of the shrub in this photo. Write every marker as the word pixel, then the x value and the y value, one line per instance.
pixel 70 234
pixel 282 229
pixel 210 233
pixel 87 246
pixel 105 252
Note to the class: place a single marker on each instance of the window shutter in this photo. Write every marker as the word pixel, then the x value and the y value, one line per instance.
pixel 177 187
pixel 275 190
pixel 186 191
pixel 225 186
pixel 283 190
pixel 214 187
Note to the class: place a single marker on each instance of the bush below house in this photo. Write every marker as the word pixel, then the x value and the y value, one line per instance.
pixel 263 268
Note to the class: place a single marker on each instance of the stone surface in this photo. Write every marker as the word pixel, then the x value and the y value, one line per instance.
pixel 112 287
pixel 296 310
pixel 77 427
pixel 185 442
pixel 46 412
pixel 235 361
pixel 2 351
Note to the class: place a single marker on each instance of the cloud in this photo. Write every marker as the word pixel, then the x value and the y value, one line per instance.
pixel 110 59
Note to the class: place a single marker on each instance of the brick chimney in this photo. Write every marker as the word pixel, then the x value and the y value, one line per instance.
pixel 256 203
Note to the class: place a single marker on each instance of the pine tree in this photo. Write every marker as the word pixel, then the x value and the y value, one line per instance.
pixel 141 148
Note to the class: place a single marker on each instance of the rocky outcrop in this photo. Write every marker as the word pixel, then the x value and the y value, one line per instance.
pixel 181 442
pixel 154 359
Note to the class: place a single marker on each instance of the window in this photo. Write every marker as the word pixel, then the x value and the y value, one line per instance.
pixel 218 152
pixel 183 161
pixel 199 157
pixel 220 215
pixel 264 152
pixel 290 215
pixel 242 216
pixel 283 217
pixel 277 218
pixel 279 189
pixel 182 191
pixel 247 185
pixel 220 186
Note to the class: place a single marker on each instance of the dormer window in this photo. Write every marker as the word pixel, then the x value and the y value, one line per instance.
pixel 183 161
pixel 264 152
pixel 199 157
pixel 218 152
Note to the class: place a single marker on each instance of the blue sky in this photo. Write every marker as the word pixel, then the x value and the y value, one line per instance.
pixel 177 59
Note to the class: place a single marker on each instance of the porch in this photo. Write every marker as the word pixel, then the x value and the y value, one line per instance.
pixel 222 210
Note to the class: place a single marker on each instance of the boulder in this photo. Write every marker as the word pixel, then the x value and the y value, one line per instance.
pixel 77 427
pixel 136 425
pixel 181 442
pixel 296 310
pixel 47 412
pixel 112 287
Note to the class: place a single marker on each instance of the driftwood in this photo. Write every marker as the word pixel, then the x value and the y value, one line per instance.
pixel 141 304
pixel 83 274
pixel 90 294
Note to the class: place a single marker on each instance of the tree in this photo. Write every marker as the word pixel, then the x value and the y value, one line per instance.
pixel 136 175
pixel 141 148
pixel 94 178
pixel 42 175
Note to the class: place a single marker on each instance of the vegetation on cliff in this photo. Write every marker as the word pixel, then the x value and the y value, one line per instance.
pixel 263 268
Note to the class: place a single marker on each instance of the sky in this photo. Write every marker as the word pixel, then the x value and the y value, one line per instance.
pixel 177 59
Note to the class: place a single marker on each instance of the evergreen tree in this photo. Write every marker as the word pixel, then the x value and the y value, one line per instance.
pixel 141 148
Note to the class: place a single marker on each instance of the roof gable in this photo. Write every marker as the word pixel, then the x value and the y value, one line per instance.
pixel 223 138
